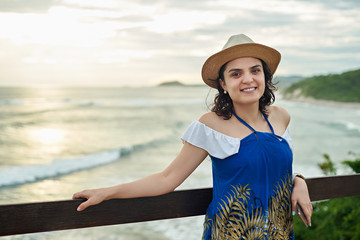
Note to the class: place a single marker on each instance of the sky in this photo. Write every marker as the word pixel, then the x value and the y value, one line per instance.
pixel 146 42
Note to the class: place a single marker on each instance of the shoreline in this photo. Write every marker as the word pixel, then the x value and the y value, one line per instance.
pixel 322 102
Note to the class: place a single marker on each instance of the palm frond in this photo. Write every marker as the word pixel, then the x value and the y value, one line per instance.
pixel 237 219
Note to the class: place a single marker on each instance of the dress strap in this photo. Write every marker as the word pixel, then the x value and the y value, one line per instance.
pixel 247 125
pixel 267 120
pixel 243 122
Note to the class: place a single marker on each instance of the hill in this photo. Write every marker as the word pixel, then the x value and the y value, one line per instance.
pixel 178 84
pixel 285 81
pixel 343 87
pixel 172 84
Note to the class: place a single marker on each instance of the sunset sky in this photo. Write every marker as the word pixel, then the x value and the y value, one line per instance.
pixel 145 42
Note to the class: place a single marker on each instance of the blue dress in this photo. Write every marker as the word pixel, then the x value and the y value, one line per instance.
pixel 252 183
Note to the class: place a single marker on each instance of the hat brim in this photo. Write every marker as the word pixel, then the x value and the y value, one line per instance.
pixel 211 68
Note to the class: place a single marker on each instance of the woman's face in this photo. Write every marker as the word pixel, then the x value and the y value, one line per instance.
pixel 244 80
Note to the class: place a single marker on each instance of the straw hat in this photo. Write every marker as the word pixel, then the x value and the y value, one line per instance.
pixel 238 46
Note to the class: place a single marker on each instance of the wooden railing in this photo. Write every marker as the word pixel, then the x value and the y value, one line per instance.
pixel 62 215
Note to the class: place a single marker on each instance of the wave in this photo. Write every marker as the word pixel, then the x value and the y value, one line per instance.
pixel 158 102
pixel 32 173
pixel 65 101
pixel 351 126
pixel 346 125
pixel 134 102
pixel 12 102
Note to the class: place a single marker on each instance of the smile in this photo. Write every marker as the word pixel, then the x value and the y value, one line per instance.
pixel 248 89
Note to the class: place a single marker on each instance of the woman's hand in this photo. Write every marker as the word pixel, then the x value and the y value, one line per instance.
pixel 93 196
pixel 300 196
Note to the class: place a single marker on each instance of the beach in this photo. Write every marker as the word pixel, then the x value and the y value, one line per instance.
pixel 320 102
pixel 57 141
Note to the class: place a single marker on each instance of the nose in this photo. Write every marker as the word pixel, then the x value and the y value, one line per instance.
pixel 247 78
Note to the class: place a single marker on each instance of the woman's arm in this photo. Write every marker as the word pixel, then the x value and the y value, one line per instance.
pixel 300 195
pixel 160 183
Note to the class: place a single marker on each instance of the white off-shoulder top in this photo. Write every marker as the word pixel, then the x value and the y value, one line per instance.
pixel 218 144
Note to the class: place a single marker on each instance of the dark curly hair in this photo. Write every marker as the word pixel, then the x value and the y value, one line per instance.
pixel 223 104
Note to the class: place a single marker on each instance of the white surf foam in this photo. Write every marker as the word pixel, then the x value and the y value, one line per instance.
pixel 32 173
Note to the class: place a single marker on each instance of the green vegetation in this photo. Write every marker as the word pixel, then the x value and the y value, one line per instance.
pixel 336 219
pixel 353 164
pixel 327 167
pixel 343 87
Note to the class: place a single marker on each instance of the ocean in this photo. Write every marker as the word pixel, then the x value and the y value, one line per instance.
pixel 57 141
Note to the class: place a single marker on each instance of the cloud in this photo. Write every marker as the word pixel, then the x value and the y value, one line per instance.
pixel 170 38
pixel 335 4
pixel 26 6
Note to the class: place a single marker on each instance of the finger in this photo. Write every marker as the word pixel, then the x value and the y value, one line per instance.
pixel 293 207
pixel 83 206
pixel 307 211
pixel 76 195
pixel 82 194
pixel 309 220
pixel 309 214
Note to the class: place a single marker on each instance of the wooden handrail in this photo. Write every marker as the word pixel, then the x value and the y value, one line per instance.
pixel 62 215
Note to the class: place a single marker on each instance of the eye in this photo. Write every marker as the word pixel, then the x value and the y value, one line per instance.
pixel 235 74
pixel 256 70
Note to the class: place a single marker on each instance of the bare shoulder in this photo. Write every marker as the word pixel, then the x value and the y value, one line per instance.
pixel 212 120
pixel 279 114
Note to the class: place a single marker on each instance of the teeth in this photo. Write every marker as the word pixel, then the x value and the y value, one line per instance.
pixel 248 90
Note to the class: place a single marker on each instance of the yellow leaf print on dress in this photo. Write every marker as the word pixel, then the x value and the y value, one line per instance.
pixel 235 220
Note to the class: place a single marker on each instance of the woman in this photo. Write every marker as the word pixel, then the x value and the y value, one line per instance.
pixel 254 193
